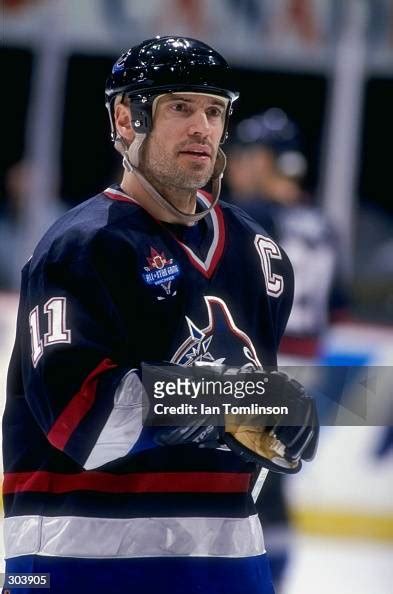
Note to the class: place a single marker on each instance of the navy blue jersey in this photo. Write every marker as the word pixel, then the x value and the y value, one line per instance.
pixel 107 288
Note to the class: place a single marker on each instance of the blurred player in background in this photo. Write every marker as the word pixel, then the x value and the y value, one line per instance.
pixel 266 168
pixel 149 270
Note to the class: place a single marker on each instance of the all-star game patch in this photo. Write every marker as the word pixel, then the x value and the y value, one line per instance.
pixel 161 272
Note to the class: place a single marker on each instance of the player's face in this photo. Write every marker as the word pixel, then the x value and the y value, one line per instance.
pixel 181 149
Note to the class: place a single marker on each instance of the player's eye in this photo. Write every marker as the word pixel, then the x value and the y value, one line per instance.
pixel 179 107
pixel 215 112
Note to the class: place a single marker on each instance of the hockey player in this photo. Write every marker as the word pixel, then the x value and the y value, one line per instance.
pixel 149 270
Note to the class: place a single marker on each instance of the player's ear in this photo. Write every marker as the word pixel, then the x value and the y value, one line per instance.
pixel 123 122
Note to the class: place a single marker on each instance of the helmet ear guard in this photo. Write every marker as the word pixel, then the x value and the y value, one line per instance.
pixel 141 112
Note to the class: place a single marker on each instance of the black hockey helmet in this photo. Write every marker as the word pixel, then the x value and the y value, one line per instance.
pixel 276 131
pixel 272 128
pixel 164 65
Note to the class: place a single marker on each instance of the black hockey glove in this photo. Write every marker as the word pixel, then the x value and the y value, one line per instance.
pixel 277 446
pixel 268 441
pixel 195 429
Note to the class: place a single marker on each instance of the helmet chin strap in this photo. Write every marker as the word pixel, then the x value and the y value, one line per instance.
pixel 131 164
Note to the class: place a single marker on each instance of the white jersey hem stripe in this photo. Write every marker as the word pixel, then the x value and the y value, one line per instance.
pixel 113 538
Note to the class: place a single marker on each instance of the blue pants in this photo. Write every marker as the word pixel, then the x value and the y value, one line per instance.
pixel 197 575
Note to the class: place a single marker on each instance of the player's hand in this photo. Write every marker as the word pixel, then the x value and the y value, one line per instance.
pixel 278 447
pixel 195 429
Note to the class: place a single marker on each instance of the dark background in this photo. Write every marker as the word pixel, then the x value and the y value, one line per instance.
pixel 88 161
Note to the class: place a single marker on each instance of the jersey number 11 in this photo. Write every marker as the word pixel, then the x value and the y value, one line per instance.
pixel 55 309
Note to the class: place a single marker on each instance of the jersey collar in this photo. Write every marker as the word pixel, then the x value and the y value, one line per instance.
pixel 116 194
pixel 208 265
pixel 205 266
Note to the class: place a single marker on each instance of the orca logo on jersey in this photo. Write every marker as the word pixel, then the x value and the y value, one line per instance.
pixel 221 341
pixel 160 272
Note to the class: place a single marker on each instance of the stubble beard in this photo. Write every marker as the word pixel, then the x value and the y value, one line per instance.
pixel 163 171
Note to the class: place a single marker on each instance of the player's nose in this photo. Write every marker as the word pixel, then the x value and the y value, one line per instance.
pixel 199 123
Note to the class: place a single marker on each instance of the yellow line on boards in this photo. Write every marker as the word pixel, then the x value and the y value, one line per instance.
pixel 345 524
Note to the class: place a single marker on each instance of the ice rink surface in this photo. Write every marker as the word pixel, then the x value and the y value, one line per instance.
pixel 339 566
